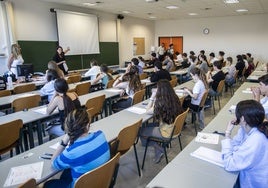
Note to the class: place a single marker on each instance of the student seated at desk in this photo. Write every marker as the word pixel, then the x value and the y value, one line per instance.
pixel 247 151
pixel 48 89
pixel 130 83
pixel 79 151
pixel 104 76
pixel 159 73
pixel 65 102
pixel 262 90
pixel 196 94
pixel 94 70
pixel 53 66
pixel 165 105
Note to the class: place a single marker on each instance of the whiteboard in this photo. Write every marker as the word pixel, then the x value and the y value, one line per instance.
pixel 78 31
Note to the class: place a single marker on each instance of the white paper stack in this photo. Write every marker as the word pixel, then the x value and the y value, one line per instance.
pixel 207 138
pixel 137 110
pixel 208 155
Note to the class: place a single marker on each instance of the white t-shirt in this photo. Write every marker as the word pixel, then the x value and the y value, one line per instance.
pixel 264 102
pixel 199 89
pixel 92 72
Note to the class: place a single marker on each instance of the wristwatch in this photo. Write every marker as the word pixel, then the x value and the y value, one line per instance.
pixel 63 144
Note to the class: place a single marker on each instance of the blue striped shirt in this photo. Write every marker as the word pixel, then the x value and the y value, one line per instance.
pixel 85 154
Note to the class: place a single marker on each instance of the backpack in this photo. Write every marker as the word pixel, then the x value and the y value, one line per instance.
pixel 3 84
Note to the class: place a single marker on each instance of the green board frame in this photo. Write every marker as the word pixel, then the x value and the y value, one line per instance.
pixel 39 53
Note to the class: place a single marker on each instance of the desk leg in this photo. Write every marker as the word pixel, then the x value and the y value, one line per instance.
pixel 30 131
pixel 39 132
pixel 105 107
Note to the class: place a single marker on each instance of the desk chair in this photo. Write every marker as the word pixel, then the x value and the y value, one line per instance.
pixel 99 177
pixel 82 88
pixel 143 76
pixel 173 82
pixel 165 142
pixel 127 138
pixel 242 78
pixel 95 105
pixel 4 93
pixel 24 88
pixel 201 105
pixel 138 97
pixel 31 183
pixel 10 137
pixel 26 102
pixel 110 84
pixel 74 78
pixel 217 95
pixel 113 145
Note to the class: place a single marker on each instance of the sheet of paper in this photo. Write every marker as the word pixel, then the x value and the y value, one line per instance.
pixel 208 155
pixel 232 109
pixel 253 77
pixel 27 94
pixel 207 138
pixel 145 81
pixel 42 110
pixel 20 174
pixel 114 90
pixel 55 146
pixel 137 110
pixel 248 90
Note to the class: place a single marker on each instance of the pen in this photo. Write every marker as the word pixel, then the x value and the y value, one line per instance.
pixel 41 157
pixel 216 132
pixel 48 154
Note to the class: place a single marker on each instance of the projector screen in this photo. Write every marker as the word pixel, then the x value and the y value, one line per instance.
pixel 78 31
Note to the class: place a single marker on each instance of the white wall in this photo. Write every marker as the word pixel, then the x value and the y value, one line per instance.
pixel 130 28
pixel 234 35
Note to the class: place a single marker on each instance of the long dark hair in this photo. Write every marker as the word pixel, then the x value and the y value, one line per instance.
pixel 253 113
pixel 134 80
pixel 76 124
pixel 61 86
pixel 167 104
pixel 201 75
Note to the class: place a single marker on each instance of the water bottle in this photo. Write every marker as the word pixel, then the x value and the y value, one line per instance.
pixel 9 82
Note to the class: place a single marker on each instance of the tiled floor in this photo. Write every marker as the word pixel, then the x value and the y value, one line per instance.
pixel 128 174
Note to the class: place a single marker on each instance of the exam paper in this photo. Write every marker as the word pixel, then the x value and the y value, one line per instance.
pixel 137 110
pixel 207 138
pixel 114 90
pixel 42 110
pixel 232 109
pixel 55 146
pixel 248 90
pixel 208 155
pixel 21 174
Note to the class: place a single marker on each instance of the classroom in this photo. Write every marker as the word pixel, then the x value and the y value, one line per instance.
pixel 122 28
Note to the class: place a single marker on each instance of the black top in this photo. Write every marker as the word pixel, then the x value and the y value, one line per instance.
pixel 159 75
pixel 58 58
pixel 185 63
pixel 240 66
pixel 219 76
pixel 152 62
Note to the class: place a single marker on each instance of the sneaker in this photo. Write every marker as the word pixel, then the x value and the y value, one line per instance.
pixel 158 157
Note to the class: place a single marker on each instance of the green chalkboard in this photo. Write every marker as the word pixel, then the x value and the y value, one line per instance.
pixel 39 53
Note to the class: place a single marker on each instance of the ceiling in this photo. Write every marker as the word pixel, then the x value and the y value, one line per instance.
pixel 158 11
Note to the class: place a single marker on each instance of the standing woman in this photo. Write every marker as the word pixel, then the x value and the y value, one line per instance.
pixel 79 151
pixel 59 58
pixel 129 83
pixel 65 102
pixel 196 94
pixel 165 106
pixel 15 59
pixel 53 66
pixel 247 151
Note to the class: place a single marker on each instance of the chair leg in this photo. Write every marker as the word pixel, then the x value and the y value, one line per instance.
pixel 219 102
pixel 144 156
pixel 114 176
pixel 137 160
pixel 212 98
pixel 179 137
pixel 165 151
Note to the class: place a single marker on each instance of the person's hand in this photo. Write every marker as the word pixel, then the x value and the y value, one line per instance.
pixel 68 48
pixel 154 90
pixel 122 92
pixel 229 128
pixel 66 139
pixel 256 91
pixel 187 90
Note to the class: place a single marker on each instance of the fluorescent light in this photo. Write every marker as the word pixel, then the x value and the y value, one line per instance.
pixel 231 1
pixel 126 12
pixel 153 17
pixel 192 14
pixel 171 7
pixel 89 4
pixel 241 10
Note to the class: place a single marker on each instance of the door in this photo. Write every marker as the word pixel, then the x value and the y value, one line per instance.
pixel 177 42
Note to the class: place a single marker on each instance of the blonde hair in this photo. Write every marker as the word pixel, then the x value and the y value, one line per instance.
pixel 15 50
